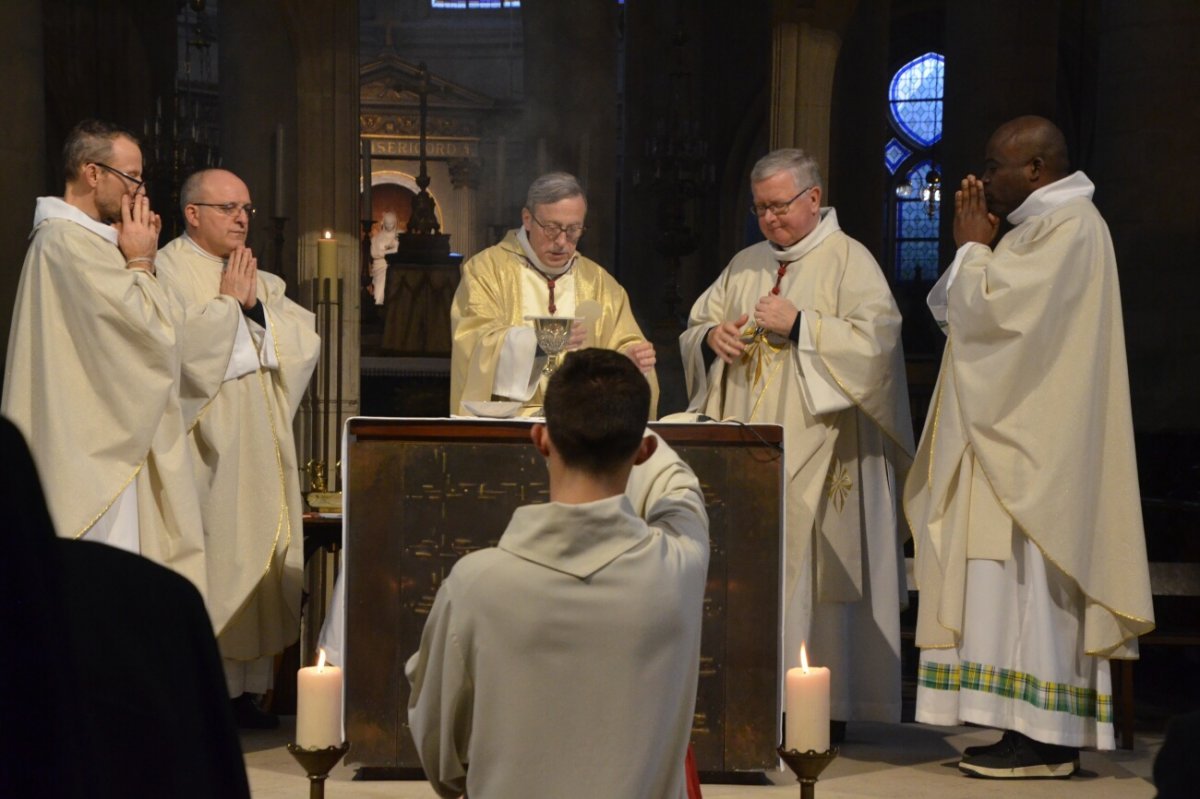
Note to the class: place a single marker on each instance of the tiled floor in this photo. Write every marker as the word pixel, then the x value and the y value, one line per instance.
pixel 912 761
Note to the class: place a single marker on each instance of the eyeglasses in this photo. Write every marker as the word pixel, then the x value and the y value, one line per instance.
pixel 138 184
pixel 230 209
pixel 554 230
pixel 779 209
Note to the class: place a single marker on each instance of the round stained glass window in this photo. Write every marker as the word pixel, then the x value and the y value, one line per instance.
pixel 916 99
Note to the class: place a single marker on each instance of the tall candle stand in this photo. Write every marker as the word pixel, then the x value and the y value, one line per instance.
pixel 807 766
pixel 317 763
pixel 325 401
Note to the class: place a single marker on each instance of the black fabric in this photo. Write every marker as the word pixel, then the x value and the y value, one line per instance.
pixel 120 689
pixel 36 686
pixel 707 352
pixel 1176 768
pixel 256 313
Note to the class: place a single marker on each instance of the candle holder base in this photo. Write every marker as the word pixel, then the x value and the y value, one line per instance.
pixel 807 766
pixel 324 501
pixel 317 764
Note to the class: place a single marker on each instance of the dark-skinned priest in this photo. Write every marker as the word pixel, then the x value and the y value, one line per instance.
pixel 1030 556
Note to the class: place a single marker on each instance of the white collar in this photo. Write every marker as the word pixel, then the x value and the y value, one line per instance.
pixel 523 240
pixel 201 251
pixel 1052 195
pixel 58 208
pixel 826 227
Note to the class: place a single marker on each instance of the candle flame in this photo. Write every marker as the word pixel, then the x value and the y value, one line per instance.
pixel 329 234
pixel 321 661
pixel 803 658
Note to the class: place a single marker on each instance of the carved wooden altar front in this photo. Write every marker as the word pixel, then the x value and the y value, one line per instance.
pixel 421 493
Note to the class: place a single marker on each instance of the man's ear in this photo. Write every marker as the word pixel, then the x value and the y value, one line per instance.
pixel 540 439
pixel 647 448
pixel 1035 168
pixel 191 216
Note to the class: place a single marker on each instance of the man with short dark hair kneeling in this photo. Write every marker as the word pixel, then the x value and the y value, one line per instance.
pixel 563 662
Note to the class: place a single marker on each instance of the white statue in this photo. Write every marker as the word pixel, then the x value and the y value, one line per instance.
pixel 382 243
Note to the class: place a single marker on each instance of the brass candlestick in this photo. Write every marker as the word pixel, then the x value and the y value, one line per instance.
pixel 807 766
pixel 317 764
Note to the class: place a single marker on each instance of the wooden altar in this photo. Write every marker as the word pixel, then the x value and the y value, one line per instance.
pixel 421 493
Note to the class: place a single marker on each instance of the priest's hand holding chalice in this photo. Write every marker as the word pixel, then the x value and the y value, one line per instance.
pixel 557 334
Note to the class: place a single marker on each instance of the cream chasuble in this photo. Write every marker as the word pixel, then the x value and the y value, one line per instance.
pixel 91 381
pixel 498 290
pixel 243 384
pixel 1030 426
pixel 841 397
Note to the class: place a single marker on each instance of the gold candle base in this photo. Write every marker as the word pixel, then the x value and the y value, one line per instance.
pixel 317 764
pixel 807 766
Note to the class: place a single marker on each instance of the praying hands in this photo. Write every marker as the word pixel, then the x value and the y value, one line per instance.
pixel 240 278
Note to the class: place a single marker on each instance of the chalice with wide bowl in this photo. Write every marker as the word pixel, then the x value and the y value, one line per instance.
pixel 553 333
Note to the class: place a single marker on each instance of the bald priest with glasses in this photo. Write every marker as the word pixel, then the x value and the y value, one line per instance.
pixel 536 271
pixel 248 352
pixel 91 377
pixel 802 330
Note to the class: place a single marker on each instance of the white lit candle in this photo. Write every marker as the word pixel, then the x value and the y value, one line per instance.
pixel 806 692
pixel 319 706
pixel 327 256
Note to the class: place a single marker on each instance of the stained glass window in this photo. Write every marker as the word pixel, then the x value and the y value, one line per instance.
pixel 894 155
pixel 453 4
pixel 917 230
pixel 916 99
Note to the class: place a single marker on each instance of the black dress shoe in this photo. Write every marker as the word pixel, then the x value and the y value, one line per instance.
pixel 249 716
pixel 981 749
pixel 1019 757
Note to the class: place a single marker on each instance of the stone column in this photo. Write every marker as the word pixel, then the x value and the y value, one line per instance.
pixel 464 175
pixel 326 178
pixel 802 65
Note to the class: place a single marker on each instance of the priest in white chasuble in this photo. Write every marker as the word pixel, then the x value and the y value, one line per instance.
pixel 801 330
pixel 536 271
pixel 248 353
pixel 1024 502
pixel 92 373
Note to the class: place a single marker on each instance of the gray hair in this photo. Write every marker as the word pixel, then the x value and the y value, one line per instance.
pixel 803 168
pixel 189 192
pixel 552 187
pixel 88 142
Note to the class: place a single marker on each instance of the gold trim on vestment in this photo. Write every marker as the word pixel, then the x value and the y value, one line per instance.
pixel 759 349
pixel 82 532
pixel 284 515
pixel 766 385
pixel 283 505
